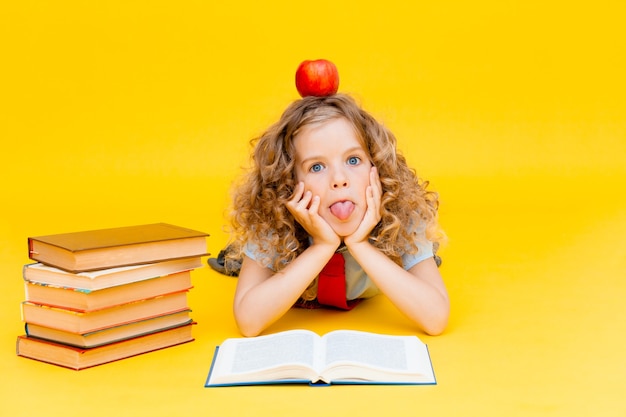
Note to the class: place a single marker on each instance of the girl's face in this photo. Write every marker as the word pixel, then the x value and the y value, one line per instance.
pixel 333 165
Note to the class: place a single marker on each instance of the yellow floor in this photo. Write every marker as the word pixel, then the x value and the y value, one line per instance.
pixel 117 114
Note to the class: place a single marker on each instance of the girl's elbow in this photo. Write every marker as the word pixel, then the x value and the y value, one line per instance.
pixel 437 323
pixel 435 329
pixel 247 328
pixel 249 332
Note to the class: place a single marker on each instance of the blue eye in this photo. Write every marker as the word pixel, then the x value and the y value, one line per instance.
pixel 354 160
pixel 316 168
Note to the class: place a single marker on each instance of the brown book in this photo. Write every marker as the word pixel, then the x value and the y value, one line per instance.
pixel 108 248
pixel 106 278
pixel 112 334
pixel 78 358
pixel 80 322
pixel 86 301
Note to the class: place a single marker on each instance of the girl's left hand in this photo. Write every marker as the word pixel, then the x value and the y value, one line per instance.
pixel 373 197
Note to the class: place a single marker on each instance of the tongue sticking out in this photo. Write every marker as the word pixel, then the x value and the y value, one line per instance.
pixel 342 209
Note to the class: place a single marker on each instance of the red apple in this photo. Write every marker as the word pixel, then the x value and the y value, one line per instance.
pixel 317 78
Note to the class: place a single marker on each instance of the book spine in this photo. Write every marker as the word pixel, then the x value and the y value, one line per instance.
pixel 31 250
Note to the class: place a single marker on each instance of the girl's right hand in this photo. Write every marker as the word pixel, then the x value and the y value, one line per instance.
pixel 304 208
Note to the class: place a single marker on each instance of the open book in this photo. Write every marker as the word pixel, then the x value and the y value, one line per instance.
pixel 339 357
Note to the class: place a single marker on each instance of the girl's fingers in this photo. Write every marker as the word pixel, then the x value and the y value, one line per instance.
pixel 375 181
pixel 299 200
pixel 306 200
pixel 315 205
pixel 373 201
pixel 375 191
pixel 297 193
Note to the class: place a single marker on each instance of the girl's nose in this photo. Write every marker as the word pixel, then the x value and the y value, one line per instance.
pixel 340 179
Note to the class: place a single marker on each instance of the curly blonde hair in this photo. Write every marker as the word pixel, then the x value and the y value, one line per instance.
pixel 259 212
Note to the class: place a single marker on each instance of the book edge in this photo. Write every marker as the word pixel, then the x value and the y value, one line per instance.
pixel 82 350
pixel 52 239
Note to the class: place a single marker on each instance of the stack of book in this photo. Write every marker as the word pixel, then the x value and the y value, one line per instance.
pixel 102 295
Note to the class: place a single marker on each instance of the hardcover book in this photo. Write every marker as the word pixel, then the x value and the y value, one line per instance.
pixel 85 300
pixel 110 334
pixel 106 278
pixel 78 358
pixel 339 357
pixel 115 247
pixel 85 322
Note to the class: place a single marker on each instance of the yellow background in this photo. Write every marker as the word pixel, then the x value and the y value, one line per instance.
pixel 126 112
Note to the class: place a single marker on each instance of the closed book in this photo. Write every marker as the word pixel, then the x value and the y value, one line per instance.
pixel 79 299
pixel 105 278
pixel 107 248
pixel 79 358
pixel 85 322
pixel 111 334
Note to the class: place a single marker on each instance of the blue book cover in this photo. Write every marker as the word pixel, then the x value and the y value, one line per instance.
pixel 342 357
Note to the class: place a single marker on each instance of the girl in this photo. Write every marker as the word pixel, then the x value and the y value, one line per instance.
pixel 328 184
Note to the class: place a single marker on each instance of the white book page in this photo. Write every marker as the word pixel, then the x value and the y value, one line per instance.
pixel 266 357
pixel 391 357
pixel 90 274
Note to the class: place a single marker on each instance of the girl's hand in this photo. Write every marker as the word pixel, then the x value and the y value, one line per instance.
pixel 373 197
pixel 304 208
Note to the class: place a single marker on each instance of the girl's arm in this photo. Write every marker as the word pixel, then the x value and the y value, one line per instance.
pixel 262 296
pixel 419 293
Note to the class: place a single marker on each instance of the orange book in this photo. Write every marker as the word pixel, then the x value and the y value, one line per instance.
pixel 111 334
pixel 78 358
pixel 105 278
pixel 107 248
pixel 85 322
pixel 85 300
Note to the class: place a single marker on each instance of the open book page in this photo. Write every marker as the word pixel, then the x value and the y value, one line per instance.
pixel 287 355
pixel 353 355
